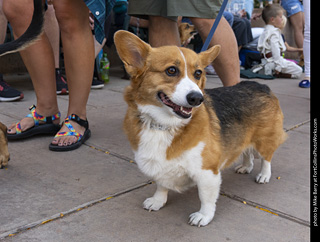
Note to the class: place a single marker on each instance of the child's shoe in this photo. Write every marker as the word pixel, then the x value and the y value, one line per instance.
pixel 304 84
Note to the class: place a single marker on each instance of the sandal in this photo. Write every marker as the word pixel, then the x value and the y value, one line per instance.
pixel 304 84
pixel 44 128
pixel 72 132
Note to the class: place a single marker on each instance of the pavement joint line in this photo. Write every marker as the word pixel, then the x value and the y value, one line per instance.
pixel 297 125
pixel 266 209
pixel 122 157
pixel 60 215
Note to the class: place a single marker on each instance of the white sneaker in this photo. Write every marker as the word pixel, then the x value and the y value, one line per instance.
pixel 210 70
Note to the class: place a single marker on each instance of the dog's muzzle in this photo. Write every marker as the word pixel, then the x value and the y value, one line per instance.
pixel 195 98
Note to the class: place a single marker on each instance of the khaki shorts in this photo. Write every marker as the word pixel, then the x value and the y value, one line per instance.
pixel 173 8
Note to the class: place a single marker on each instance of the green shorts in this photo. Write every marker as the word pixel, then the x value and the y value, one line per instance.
pixel 172 9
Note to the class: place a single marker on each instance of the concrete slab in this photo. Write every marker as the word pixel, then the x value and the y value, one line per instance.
pixel 39 183
pixel 123 219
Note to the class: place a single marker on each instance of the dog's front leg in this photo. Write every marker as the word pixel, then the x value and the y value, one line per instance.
pixel 4 152
pixel 208 186
pixel 265 173
pixel 158 200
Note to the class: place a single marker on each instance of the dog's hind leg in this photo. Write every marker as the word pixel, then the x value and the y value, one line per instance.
pixel 247 162
pixel 158 200
pixel 266 154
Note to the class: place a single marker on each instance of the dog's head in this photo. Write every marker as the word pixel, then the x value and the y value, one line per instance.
pixel 187 32
pixel 4 153
pixel 166 82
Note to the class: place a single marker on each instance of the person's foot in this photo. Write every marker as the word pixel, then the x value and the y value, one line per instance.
pixel 210 70
pixel 68 140
pixel 27 123
pixel 7 93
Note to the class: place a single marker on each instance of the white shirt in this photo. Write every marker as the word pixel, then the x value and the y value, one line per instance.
pixel 271 41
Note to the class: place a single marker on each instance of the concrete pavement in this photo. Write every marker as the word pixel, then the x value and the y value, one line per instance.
pixel 96 192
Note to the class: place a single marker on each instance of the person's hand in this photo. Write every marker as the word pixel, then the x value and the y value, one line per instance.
pixel 91 20
pixel 242 13
pixel 256 16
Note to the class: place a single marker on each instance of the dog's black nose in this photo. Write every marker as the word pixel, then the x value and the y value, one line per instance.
pixel 195 98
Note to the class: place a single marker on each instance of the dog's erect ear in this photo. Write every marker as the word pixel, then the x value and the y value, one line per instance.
pixel 208 56
pixel 132 51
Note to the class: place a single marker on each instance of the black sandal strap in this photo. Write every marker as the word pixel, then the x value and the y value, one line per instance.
pixel 78 120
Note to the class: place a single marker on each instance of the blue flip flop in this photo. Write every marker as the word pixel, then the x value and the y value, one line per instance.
pixel 304 84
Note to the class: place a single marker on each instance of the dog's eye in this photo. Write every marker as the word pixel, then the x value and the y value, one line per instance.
pixel 197 74
pixel 172 71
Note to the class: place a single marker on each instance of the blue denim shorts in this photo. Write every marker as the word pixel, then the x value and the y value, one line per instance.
pixel 292 6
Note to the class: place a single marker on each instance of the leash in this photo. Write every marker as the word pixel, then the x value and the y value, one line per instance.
pixel 214 26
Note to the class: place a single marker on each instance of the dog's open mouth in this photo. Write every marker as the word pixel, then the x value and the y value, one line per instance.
pixel 183 112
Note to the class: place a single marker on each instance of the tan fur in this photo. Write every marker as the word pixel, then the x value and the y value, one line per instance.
pixel 148 78
pixel 186 32
pixel 4 153
pixel 153 78
pixel 264 133
pixel 178 142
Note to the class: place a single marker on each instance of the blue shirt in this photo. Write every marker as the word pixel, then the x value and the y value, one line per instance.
pixel 100 10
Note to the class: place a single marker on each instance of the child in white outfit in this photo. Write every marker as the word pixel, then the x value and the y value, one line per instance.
pixel 271 45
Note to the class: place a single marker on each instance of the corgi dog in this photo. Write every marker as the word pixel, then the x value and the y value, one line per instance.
pixel 186 33
pixel 4 152
pixel 182 136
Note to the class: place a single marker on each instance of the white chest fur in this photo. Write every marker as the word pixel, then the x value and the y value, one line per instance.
pixel 175 174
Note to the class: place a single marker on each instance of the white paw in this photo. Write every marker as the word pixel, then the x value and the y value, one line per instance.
pixel 199 219
pixel 263 178
pixel 242 169
pixel 153 204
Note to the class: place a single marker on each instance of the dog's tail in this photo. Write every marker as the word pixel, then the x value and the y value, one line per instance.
pixel 31 34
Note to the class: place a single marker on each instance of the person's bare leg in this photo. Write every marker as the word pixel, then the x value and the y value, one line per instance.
pixel 38 59
pixel 297 23
pixel 51 28
pixel 73 18
pixel 163 31
pixel 3 24
pixel 227 63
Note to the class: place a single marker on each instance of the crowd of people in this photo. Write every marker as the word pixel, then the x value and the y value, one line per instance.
pixel 84 25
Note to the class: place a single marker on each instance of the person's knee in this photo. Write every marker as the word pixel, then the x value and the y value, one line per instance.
pixel 69 20
pixel 297 21
pixel 163 31
pixel 203 26
pixel 160 23
pixel 13 9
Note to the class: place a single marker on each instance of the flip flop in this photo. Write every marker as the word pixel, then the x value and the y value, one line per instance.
pixel 304 84
pixel 72 132
pixel 47 128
